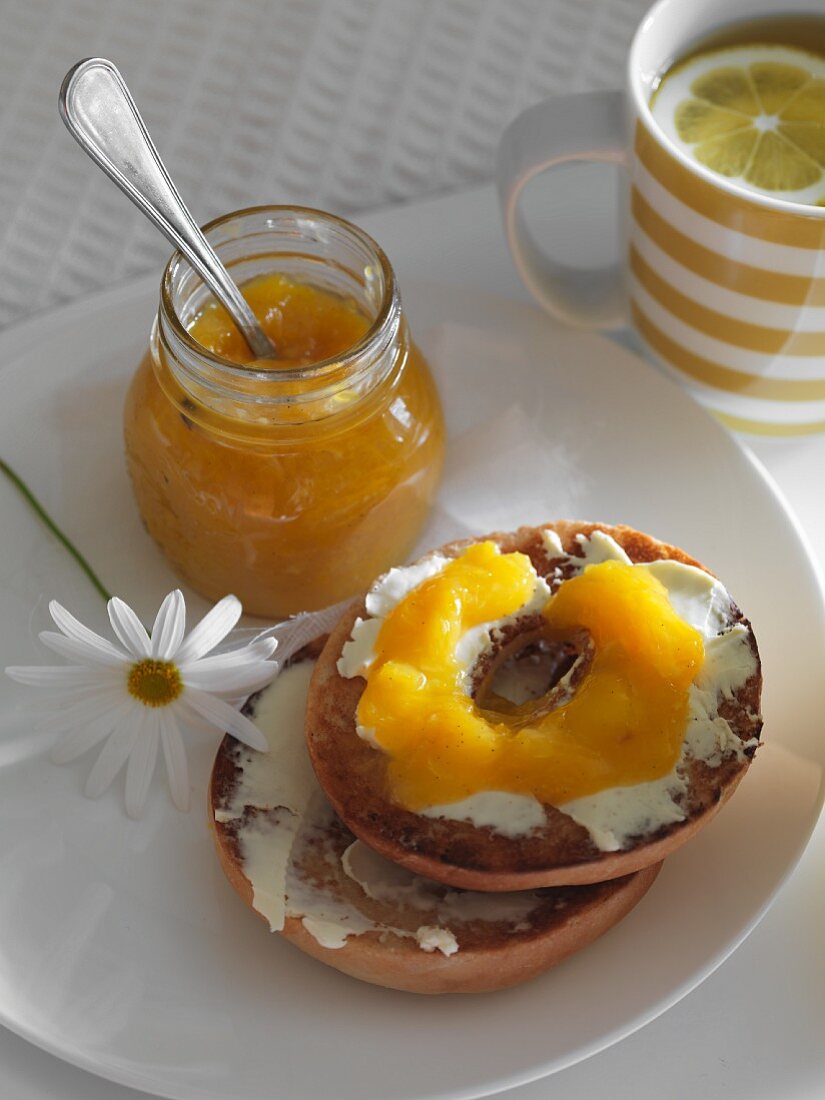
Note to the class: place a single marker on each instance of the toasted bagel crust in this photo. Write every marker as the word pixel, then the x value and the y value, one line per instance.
pixel 352 772
pixel 491 954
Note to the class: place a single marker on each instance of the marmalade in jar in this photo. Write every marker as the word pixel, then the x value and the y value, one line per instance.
pixel 290 482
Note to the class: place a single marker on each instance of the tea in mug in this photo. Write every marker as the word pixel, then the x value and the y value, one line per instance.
pixel 748 103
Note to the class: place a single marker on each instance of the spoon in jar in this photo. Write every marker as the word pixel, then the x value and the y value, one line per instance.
pixel 101 116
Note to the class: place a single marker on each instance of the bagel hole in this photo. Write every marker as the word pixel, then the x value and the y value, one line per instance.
pixel 529 674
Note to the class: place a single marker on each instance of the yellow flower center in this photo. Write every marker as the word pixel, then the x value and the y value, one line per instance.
pixel 154 683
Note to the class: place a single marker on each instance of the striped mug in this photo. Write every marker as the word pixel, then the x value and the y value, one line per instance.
pixel 725 287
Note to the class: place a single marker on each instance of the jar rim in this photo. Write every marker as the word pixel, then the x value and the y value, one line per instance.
pixel 233 370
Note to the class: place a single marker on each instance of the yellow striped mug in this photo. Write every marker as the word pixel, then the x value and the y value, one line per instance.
pixel 724 286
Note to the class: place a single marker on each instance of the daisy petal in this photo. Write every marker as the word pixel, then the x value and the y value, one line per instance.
pixel 175 756
pixel 114 754
pixel 189 719
pixel 78 741
pixel 90 653
pixel 224 718
pixel 211 630
pixel 73 628
pixel 258 651
pixel 237 681
pixel 58 702
pixel 68 675
pixel 130 631
pixel 77 713
pixel 141 765
pixel 170 624
pixel 86 736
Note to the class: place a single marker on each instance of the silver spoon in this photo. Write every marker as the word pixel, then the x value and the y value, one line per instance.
pixel 101 116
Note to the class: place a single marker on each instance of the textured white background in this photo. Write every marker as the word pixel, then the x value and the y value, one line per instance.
pixel 343 104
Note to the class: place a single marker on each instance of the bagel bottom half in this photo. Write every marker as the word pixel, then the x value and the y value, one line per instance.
pixel 354 911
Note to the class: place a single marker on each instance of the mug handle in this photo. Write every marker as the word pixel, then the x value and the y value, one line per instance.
pixel 562 130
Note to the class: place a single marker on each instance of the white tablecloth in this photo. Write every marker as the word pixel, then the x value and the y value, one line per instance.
pixel 343 104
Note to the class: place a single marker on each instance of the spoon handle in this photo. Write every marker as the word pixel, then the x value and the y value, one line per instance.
pixel 101 115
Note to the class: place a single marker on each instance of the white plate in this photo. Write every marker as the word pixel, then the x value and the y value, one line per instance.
pixel 123 950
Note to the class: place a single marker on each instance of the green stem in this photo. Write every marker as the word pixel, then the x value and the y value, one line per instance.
pixel 39 510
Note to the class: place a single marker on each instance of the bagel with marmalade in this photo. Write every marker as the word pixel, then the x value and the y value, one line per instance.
pixel 293 861
pixel 596 719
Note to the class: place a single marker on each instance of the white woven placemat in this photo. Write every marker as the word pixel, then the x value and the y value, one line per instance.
pixel 343 104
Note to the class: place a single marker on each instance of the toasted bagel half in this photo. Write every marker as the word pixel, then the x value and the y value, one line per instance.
pixel 352 771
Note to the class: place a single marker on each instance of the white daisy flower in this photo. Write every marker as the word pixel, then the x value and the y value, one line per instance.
pixel 139 695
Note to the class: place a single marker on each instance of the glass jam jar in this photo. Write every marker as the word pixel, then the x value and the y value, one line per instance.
pixel 291 483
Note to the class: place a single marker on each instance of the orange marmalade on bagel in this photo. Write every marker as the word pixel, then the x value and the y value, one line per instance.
pixel 654 653
pixel 624 724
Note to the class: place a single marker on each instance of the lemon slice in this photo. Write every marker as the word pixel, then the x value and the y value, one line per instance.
pixel 754 114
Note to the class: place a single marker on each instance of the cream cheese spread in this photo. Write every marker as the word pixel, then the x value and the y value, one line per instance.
pixel 294 828
pixel 509 814
pixel 281 780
